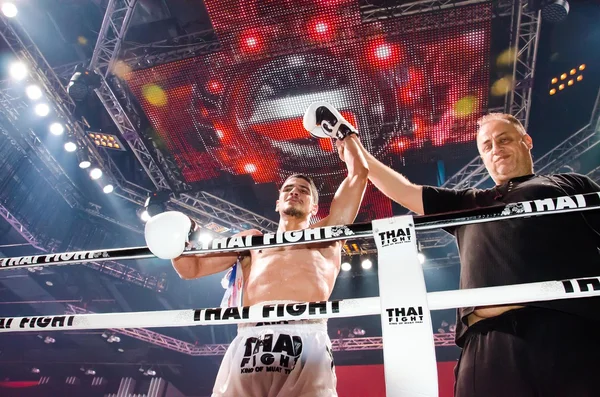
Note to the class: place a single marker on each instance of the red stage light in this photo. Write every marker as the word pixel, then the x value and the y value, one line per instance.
pixel 384 54
pixel 321 27
pixel 251 42
pixel 215 87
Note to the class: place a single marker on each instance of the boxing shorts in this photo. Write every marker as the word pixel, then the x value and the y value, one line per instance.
pixel 291 359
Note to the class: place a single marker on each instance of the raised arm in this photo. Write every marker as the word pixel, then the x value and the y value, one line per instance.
pixel 393 184
pixel 348 197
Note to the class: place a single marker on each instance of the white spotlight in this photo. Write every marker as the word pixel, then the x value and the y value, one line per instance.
pixel 41 109
pixel 96 173
pixel 346 266
pixel 421 257
pixel 33 92
pixel 9 10
pixel 108 189
pixel 366 264
pixel 18 71
pixel 84 164
pixel 205 238
pixel 145 216
pixel 57 129
pixel 70 146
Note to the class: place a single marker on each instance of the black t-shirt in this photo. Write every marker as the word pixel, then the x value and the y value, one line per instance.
pixel 524 250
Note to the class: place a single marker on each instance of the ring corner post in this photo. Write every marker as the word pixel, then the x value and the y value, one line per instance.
pixel 408 346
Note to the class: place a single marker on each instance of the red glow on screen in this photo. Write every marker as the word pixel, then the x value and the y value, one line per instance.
pixel 215 87
pixel 321 29
pixel 383 54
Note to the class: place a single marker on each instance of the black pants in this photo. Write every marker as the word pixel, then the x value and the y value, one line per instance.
pixel 531 352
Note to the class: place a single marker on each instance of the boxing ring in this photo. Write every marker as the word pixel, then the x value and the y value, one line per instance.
pixel 404 304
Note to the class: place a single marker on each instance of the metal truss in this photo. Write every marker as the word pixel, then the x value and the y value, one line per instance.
pixel 526 27
pixel 373 11
pixel 112 32
pixel 111 268
pixel 595 174
pixel 139 56
pixel 219 349
pixel 20 228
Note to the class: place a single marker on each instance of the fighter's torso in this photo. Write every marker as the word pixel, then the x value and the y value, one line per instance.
pixel 294 273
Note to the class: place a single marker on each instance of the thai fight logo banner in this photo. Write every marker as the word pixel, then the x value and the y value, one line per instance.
pixel 271 353
pixel 405 319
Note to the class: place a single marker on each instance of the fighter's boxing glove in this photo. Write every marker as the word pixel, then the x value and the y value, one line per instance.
pixel 168 233
pixel 322 120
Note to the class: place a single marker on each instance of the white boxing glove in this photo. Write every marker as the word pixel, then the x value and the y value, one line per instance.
pixel 167 234
pixel 322 120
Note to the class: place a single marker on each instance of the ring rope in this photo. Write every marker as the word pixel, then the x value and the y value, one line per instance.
pixel 557 205
pixel 507 294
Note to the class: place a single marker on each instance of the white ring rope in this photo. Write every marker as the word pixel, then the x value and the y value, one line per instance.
pixel 508 294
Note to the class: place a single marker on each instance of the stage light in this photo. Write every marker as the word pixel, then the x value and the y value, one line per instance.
pixel 145 216
pixel 215 87
pixel 18 71
pixel 579 78
pixel 570 82
pixel 9 10
pixel 205 238
pixel 572 72
pixel 90 372
pixel 35 370
pixel 41 109
pixel 383 52
pixel 563 76
pixel 554 80
pixel 421 257
pixel 150 372
pixel 56 129
pixel 33 92
pixel 84 164
pixel 321 27
pixel 82 83
pixel 251 42
pixel 70 146
pixel 96 173
pixel 561 87
pixel 102 139
pixel 581 67
pixel 120 350
pixel 108 189
pixel 366 264
pixel 553 91
pixel 555 10
pixel 346 266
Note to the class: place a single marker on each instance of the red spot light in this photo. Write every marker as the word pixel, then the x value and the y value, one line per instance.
pixel 251 42
pixel 384 54
pixel 215 87
pixel 320 29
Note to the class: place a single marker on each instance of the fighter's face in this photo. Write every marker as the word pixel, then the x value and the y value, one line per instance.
pixel 295 199
pixel 505 151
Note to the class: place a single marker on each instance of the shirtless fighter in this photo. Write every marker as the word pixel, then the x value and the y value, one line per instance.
pixel 295 359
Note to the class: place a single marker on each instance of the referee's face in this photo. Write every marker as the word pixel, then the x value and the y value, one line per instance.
pixel 505 151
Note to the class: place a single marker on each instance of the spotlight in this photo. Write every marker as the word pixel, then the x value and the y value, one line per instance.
pixel 70 146
pixel 84 159
pixel 49 340
pixel 579 78
pixel 120 350
pixel 205 238
pixel 35 370
pixel 105 140
pixel 82 82
pixel 96 173
pixel 421 257
pixel 581 67
pixel 84 164
pixel 41 109
pixel 366 264
pixel 150 372
pixel 9 10
pixel 555 10
pixel 346 266
pixel 49 283
pixel 104 335
pixel 156 203
pixel 18 71
pixel 553 91
pixel 358 331
pixel 145 216
pixel 33 92
pixel 90 372
pixel 108 189
pixel 57 129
